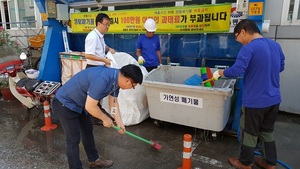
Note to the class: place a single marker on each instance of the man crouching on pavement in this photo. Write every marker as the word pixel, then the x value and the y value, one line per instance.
pixel 77 100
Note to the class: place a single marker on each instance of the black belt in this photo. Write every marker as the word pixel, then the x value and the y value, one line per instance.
pixel 88 65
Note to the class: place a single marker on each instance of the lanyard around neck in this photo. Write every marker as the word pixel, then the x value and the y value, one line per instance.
pixel 114 86
pixel 102 42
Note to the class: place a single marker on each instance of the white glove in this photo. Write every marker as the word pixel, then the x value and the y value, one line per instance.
pixel 216 75
pixel 141 60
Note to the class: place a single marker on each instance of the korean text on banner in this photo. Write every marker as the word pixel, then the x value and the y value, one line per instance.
pixel 183 20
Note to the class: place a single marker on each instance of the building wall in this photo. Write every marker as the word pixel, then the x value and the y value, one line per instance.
pixel 288 36
pixel 290 82
pixel 273 11
pixel 289 39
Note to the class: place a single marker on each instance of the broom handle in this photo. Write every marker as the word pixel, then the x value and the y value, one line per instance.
pixel 208 80
pixel 133 135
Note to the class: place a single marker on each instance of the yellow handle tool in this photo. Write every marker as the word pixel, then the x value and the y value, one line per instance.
pixel 208 80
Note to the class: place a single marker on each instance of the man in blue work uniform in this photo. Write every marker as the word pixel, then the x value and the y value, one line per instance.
pixel 260 60
pixel 148 47
pixel 77 100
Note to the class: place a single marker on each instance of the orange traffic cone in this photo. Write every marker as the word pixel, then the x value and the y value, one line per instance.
pixel 48 124
pixel 187 152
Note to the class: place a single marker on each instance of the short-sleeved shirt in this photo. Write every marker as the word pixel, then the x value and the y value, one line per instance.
pixel 149 48
pixel 96 82
pixel 95 45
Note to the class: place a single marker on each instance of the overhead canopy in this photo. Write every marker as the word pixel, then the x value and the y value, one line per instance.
pixel 97 3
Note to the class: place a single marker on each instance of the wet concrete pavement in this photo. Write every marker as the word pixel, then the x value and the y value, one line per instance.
pixel 24 145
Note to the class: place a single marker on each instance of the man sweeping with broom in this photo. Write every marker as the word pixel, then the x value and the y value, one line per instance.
pixel 77 100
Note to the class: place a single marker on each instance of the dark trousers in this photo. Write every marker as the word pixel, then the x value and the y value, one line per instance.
pixel 150 68
pixel 76 125
pixel 257 124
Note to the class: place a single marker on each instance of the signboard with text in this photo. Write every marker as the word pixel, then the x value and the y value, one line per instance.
pixel 183 20
pixel 255 8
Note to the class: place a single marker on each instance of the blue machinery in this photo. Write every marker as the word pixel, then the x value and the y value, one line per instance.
pixel 50 63
pixel 188 50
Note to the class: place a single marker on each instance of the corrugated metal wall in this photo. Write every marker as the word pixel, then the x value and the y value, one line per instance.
pixel 188 50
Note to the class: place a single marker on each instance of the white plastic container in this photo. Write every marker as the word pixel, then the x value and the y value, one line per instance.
pixel 173 101
pixel 32 73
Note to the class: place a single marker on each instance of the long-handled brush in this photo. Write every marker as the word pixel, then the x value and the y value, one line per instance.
pixel 208 80
pixel 207 76
pixel 151 142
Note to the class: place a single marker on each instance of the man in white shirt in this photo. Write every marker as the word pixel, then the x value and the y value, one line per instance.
pixel 95 46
